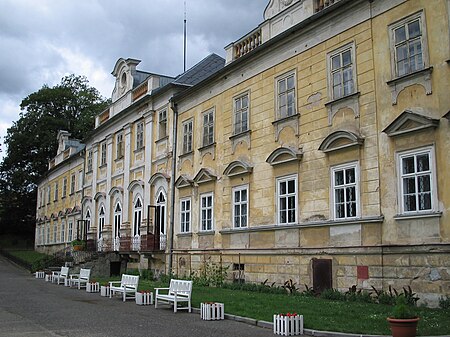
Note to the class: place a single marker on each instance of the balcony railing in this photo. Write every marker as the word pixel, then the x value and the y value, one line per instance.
pixel 116 244
pixel 136 243
pixel 247 44
pixel 322 4
pixel 140 91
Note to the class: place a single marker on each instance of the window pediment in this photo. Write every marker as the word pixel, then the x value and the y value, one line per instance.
pixel 204 176
pixel 54 216
pixel 183 181
pixel 284 155
pixel 134 184
pixel 447 115
pixel 410 121
pixel 99 195
pixel 236 168
pixel 340 140
pixel 157 176
pixel 115 189
pixel 68 211
pixel 60 214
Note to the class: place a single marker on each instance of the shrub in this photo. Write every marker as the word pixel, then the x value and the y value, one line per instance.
pixel 402 310
pixel 444 302
pixel 332 294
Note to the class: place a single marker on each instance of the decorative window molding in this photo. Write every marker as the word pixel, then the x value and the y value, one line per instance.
pixel 184 181
pixel 134 184
pixel 204 176
pixel 239 138
pixel 345 191
pixel 351 101
pixel 99 195
pixel 211 149
pixel 236 168
pixel 340 140
pixel 409 54
pixel 410 121
pixel 417 184
pixel 115 189
pixel 291 121
pixel 284 155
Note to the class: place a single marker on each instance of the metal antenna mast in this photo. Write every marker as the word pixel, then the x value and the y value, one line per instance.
pixel 185 37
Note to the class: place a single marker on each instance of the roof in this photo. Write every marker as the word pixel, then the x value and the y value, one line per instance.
pixel 205 68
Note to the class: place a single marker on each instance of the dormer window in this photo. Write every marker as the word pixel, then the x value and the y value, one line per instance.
pixel 123 83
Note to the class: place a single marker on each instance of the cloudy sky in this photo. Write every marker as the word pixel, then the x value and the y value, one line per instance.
pixel 43 40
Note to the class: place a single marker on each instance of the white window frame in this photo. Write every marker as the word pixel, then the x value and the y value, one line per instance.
pixel 185 215
pixel 423 39
pixel 207 208
pixel 137 216
pixel 117 219
pixel 119 146
pixel 162 123
pixel 47 241
pixel 103 154
pixel 139 135
pixel 279 95
pixel 350 47
pixel 64 189
pixel 63 231
pixel 49 193
pixel 286 179
pixel 241 204
pixel 188 143
pixel 89 161
pixel 208 127
pixel 55 232
pixel 345 186
pixel 88 219
pixel 238 121
pixel 429 150
pixel 101 220
pixel 70 232
pixel 56 191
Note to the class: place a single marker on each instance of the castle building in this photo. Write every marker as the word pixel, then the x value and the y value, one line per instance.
pixel 317 151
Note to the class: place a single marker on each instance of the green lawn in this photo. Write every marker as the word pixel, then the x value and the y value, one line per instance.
pixel 29 256
pixel 319 314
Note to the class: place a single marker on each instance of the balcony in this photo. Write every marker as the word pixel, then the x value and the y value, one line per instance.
pixel 140 91
pixel 320 5
pixel 247 44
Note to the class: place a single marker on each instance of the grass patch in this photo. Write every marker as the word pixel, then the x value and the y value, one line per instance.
pixel 29 256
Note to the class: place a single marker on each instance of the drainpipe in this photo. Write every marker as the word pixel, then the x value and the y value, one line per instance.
pixel 173 106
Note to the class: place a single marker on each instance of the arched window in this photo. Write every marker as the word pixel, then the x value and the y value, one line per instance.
pixel 161 212
pixel 101 221
pixel 117 219
pixel 88 219
pixel 137 216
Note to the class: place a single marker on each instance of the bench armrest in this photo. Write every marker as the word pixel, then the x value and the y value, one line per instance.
pixel 158 289
pixel 72 276
pixel 111 283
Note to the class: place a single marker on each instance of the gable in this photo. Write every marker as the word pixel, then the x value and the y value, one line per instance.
pixel 410 121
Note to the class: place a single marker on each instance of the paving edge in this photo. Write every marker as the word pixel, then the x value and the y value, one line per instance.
pixel 310 332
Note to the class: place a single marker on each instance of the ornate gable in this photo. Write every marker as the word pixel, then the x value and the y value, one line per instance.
pixel 410 121
pixel 183 181
pixel 236 168
pixel 284 155
pixel 204 176
pixel 340 140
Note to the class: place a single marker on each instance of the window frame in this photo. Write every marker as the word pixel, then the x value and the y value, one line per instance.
pixel 162 124
pixel 432 174
pixel 240 204
pixel 187 216
pixel 139 136
pixel 56 191
pixel 240 112
pixel 119 146
pixel 278 79
pixel 188 136
pixel 64 189
pixel 330 71
pixel 72 183
pixel 334 187
pixel 423 38
pixel 208 127
pixel 101 220
pixel 103 154
pixel 89 161
pixel 137 216
pixel 286 179
pixel 211 208
pixel 70 231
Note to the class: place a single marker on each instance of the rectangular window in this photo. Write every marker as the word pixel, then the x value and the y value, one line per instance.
pixel 187 136
pixel 417 181
pixel 162 121
pixel 206 212
pixel 286 96
pixel 63 232
pixel 240 206
pixel 48 234
pixel 103 154
pixel 89 161
pixel 119 146
pixel 72 183
pixel 64 190
pixel 139 136
pixel 56 192
pixel 241 114
pixel 80 180
pixel 49 193
pixel 208 127
pixel 185 214
pixel 287 200
pixel 341 72
pixel 70 232
pixel 408 43
pixel 345 189
pixel 55 232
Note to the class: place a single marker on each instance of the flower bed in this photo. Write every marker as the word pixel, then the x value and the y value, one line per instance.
pixel 290 324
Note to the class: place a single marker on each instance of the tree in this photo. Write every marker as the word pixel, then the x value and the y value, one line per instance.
pixel 31 142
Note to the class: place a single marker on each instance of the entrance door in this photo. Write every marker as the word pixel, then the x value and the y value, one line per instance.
pixel 322 277
pixel 160 215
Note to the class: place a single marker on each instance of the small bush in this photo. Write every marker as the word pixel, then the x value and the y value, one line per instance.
pixel 333 295
pixel 444 302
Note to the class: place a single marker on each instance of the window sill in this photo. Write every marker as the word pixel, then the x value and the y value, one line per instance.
pixel 139 150
pixel 343 98
pixel 162 139
pixel 291 121
pixel 187 234
pixel 349 101
pixel 240 134
pixel 102 166
pixel 187 154
pixel 207 147
pixel 284 119
pixel 204 233
pixel 88 171
pixel 118 159
pixel 422 77
pixel 410 216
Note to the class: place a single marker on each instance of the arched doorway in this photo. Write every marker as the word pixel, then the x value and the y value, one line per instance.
pixel 160 219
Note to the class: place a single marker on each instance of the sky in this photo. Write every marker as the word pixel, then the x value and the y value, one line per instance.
pixel 42 41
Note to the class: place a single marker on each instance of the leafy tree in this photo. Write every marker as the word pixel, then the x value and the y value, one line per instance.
pixel 31 143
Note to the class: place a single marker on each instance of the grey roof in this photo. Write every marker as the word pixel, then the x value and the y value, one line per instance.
pixel 205 68
pixel 74 143
pixel 139 77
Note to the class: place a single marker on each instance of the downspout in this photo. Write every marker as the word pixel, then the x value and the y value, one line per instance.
pixel 173 106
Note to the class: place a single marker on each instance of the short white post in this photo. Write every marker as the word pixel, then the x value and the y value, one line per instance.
pixel 288 325
pixel 212 311
pixel 104 291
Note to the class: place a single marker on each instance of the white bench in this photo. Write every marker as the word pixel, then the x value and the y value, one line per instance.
pixel 178 291
pixel 128 285
pixel 81 278
pixel 62 275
